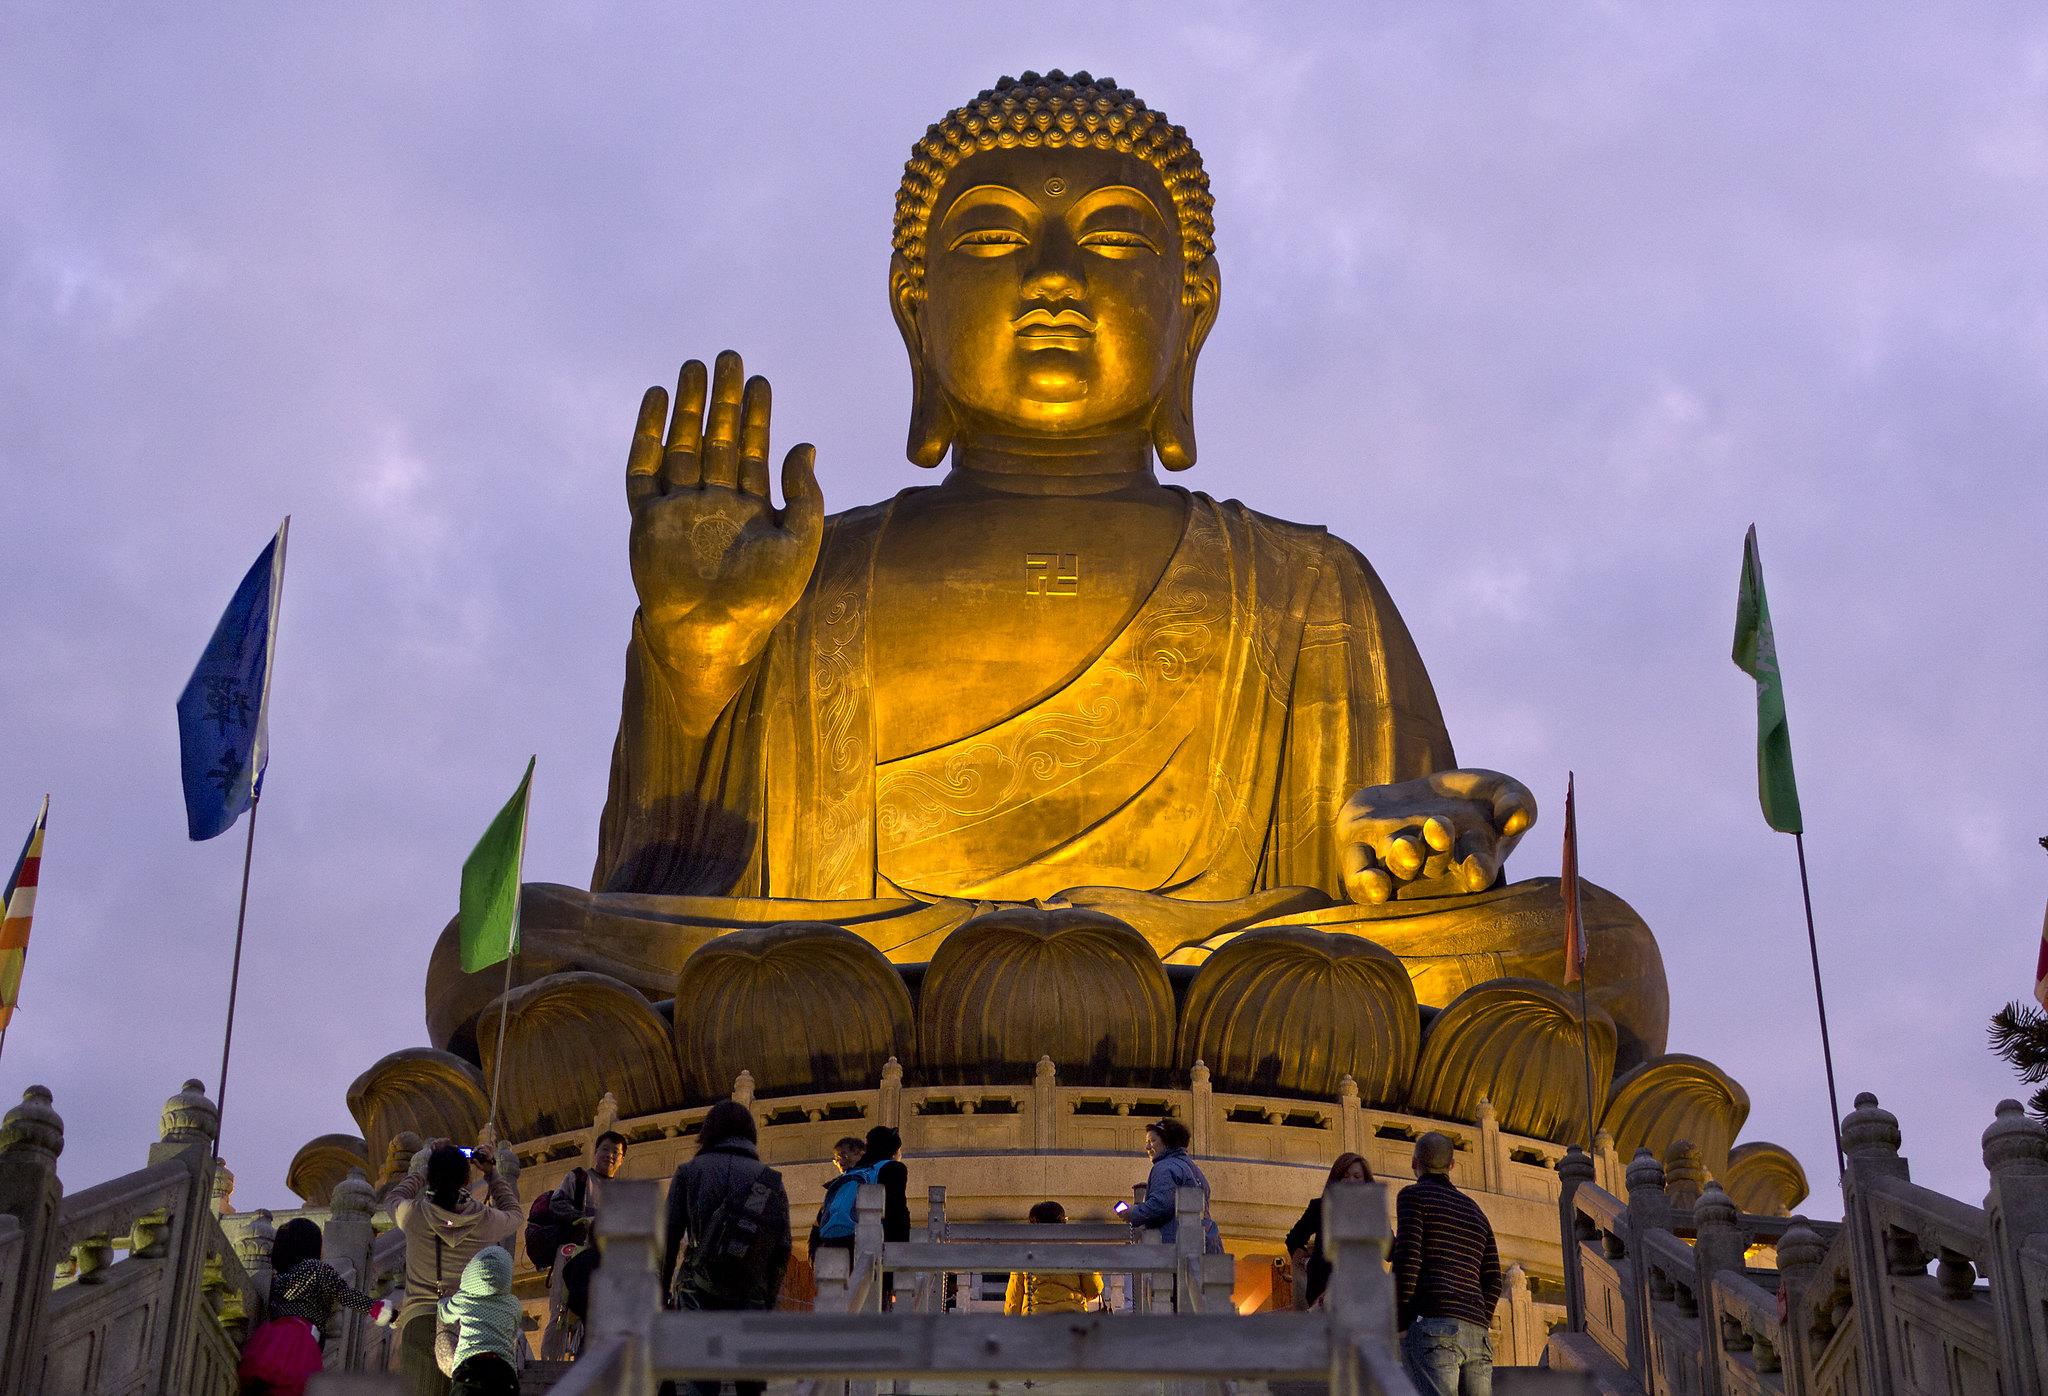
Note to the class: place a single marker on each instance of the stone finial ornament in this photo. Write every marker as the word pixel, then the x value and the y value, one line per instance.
pixel 1645 1174
pixel 189 1117
pixel 1685 1173
pixel 33 1130
pixel 1800 1248
pixel 1870 1130
pixel 1715 1208
pixel 353 1195
pixel 2013 1143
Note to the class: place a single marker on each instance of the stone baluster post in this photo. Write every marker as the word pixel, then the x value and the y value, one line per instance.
pixel 1187 1247
pixel 867 1243
pixel 1202 1111
pixel 625 1291
pixel 1360 1299
pixel 1718 1245
pixel 252 1248
pixel 1045 1105
pixel 31 1138
pixel 1574 1168
pixel 1649 1209
pixel 1607 1163
pixel 931 1286
pixel 743 1088
pixel 607 1117
pixel 1520 1328
pixel 1870 1138
pixel 834 1270
pixel 1800 1253
pixel 346 1241
pixel 186 1133
pixel 1350 1116
pixel 2016 1211
pixel 1685 1175
pixel 1493 1154
pixel 889 1100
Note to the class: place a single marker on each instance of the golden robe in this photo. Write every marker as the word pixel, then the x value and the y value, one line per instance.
pixel 1203 752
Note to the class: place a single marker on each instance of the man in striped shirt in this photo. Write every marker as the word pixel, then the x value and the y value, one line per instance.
pixel 1446 1279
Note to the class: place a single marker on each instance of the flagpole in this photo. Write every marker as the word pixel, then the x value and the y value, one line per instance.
pixel 498 1063
pixel 227 1041
pixel 1827 1053
pixel 1586 1053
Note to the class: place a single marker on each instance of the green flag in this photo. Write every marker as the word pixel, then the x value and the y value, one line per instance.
pixel 490 885
pixel 1756 654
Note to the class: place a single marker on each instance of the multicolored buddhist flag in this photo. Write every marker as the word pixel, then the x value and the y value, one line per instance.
pixel 224 712
pixel 17 910
pixel 1756 654
pixel 1568 888
pixel 490 885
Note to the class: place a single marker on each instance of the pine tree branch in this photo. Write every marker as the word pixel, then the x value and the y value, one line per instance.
pixel 2019 1034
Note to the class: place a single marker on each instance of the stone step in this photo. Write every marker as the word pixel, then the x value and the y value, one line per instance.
pixel 537 1377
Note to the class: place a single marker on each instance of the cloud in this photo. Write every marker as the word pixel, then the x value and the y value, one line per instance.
pixel 1540 308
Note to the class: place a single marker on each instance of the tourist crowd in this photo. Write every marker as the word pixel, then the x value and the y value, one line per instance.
pixel 729 1241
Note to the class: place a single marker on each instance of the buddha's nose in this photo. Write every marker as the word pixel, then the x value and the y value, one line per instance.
pixel 1055 277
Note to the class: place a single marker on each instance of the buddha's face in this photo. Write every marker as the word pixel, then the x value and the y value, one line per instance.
pixel 1053 293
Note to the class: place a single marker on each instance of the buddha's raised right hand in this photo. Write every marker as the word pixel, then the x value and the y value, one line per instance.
pixel 716 565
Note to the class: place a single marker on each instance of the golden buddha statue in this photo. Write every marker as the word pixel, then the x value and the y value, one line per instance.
pixel 1049 684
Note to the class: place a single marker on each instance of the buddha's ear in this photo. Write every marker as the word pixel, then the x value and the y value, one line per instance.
pixel 931 416
pixel 1173 421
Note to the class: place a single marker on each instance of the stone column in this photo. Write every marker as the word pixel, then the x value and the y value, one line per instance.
pixel 252 1248
pixel 1870 1138
pixel 1519 1327
pixel 1201 1111
pixel 31 1137
pixel 1045 1104
pixel 607 1117
pixel 2016 1211
pixel 1360 1299
pixel 1572 1170
pixel 1685 1174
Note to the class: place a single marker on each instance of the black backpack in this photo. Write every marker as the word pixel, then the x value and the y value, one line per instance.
pixel 729 1264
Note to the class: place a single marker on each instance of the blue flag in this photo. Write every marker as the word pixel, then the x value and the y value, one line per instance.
pixel 223 714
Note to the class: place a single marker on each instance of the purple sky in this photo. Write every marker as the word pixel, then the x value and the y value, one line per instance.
pixel 1539 307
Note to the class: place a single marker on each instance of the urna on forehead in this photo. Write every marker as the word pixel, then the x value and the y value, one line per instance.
pixel 1056 112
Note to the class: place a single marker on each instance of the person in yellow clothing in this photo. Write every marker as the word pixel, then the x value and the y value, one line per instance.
pixel 1051 1294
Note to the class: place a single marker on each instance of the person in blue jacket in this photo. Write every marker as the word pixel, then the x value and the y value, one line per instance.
pixel 1166 1144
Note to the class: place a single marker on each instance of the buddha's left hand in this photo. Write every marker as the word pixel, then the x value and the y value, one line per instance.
pixel 1438 836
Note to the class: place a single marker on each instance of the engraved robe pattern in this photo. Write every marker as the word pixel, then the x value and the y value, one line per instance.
pixel 1203 752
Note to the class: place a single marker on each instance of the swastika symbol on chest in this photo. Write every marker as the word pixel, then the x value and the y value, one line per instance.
pixel 1052 574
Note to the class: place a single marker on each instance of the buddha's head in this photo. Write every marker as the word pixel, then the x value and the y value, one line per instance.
pixel 1055 272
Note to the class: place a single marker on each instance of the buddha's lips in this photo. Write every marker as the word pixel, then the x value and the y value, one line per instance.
pixel 1044 324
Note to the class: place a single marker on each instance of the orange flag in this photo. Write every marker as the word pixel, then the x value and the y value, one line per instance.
pixel 1568 888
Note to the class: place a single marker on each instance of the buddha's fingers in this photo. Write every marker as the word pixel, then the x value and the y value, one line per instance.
pixel 1364 880
pixel 1478 858
pixel 722 424
pixel 803 503
pixel 1405 856
pixel 1514 808
pixel 755 406
pixel 643 458
pixel 679 464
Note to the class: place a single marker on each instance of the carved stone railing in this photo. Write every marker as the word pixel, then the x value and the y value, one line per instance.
pixel 634 1343
pixel 1661 1299
pixel 129 1286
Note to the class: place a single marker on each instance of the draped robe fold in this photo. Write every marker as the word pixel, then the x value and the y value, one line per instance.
pixel 1203 752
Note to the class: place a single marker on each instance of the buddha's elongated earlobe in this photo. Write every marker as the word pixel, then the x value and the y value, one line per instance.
pixel 931 417
pixel 1173 420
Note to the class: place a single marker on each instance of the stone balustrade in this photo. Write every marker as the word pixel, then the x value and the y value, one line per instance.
pixel 130 1286
pixel 1662 1298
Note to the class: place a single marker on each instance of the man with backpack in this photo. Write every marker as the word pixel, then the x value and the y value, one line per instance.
pixel 735 1214
pixel 563 1217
